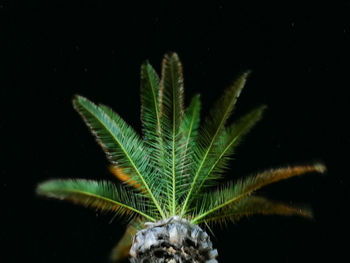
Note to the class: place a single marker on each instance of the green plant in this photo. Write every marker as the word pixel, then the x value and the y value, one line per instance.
pixel 173 168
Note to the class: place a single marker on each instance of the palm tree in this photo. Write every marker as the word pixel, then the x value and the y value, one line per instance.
pixel 169 174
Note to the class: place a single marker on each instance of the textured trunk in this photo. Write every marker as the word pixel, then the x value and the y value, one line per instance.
pixel 172 240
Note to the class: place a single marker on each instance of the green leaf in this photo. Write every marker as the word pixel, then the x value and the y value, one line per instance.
pixel 171 96
pixel 104 196
pixel 227 142
pixel 150 114
pixel 122 145
pixel 152 126
pixel 236 131
pixel 171 114
pixel 210 134
pixel 220 199
pixel 190 124
pixel 252 205
pixel 189 134
pixel 222 110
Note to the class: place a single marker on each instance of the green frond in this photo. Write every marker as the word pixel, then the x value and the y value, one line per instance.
pixel 118 140
pixel 171 96
pixel 214 201
pixel 153 130
pixel 252 205
pixel 210 134
pixel 190 123
pixel 104 196
pixel 227 142
pixel 121 144
pixel 171 114
pixel 150 114
pixel 223 108
pixel 235 132
pixel 189 135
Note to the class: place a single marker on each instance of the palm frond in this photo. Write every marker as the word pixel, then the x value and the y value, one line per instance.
pixel 150 114
pixel 171 96
pixel 228 140
pixel 121 144
pixel 189 134
pixel 210 134
pixel 214 201
pixel 171 114
pixel 190 124
pixel 252 205
pixel 104 196
pixel 153 129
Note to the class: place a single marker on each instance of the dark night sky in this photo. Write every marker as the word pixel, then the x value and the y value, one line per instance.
pixel 299 55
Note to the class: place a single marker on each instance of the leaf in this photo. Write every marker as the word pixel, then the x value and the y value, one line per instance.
pixel 150 114
pixel 122 145
pixel 227 142
pixel 213 201
pixel 210 133
pixel 252 205
pixel 253 183
pixel 171 114
pixel 222 109
pixel 152 126
pixel 171 96
pixel 236 131
pixel 189 133
pixel 104 196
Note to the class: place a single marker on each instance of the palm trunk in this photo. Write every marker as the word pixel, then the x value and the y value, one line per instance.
pixel 173 240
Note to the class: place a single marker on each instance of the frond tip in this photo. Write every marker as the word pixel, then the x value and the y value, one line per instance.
pixel 253 183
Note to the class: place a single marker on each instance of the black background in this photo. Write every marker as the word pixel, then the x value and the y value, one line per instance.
pixel 299 55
